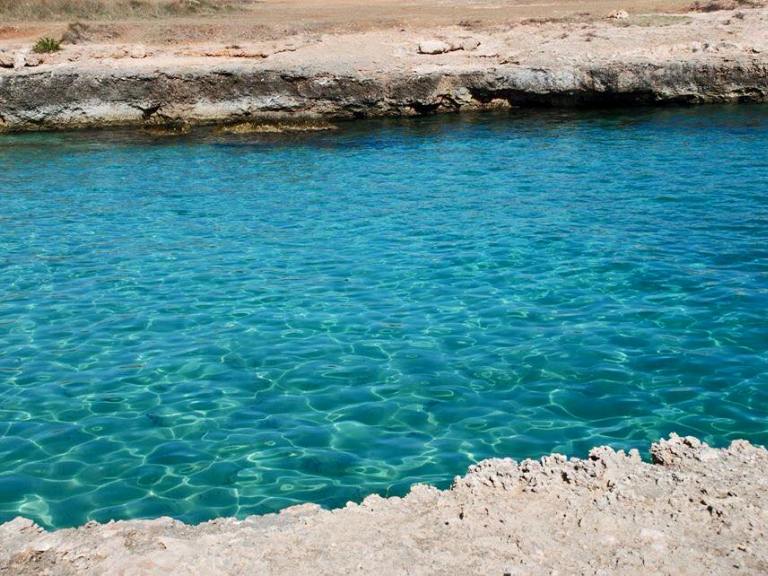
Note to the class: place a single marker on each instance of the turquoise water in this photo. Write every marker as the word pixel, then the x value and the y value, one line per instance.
pixel 216 325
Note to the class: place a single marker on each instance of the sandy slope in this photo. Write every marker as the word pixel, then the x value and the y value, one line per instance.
pixel 695 511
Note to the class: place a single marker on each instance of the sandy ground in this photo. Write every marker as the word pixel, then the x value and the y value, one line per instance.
pixel 695 510
pixel 372 25
pixel 578 36
pixel 274 19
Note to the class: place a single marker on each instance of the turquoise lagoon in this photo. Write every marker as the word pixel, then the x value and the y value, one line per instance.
pixel 227 325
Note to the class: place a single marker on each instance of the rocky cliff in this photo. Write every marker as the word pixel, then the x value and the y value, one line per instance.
pixel 713 57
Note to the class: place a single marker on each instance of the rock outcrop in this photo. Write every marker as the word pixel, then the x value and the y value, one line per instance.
pixel 370 74
pixel 68 98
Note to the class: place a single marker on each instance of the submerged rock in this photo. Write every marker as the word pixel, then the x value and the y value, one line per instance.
pixel 277 127
pixel 163 130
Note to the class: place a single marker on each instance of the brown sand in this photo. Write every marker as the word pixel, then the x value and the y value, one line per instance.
pixel 271 19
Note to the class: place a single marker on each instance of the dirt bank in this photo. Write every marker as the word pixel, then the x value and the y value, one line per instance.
pixel 386 70
pixel 695 510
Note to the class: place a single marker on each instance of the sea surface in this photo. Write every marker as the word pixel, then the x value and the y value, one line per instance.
pixel 215 325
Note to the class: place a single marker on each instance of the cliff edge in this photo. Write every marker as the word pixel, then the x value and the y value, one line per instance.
pixel 694 57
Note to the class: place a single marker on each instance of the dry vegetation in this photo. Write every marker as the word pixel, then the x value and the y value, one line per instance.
pixel 112 9
pixel 652 20
pixel 717 5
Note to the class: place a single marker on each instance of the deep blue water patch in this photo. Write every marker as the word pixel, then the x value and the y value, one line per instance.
pixel 215 325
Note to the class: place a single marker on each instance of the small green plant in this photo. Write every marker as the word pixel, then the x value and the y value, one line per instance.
pixel 46 45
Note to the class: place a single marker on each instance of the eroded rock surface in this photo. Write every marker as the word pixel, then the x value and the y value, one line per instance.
pixel 653 58
pixel 695 510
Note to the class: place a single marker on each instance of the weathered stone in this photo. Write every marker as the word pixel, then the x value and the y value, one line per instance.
pixel 6 59
pixel 469 44
pixel 110 85
pixel 435 47
pixel 618 15
pixel 33 60
pixel 138 52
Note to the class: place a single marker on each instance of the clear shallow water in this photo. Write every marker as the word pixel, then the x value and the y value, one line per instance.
pixel 214 326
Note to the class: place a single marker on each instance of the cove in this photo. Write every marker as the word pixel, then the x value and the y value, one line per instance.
pixel 215 325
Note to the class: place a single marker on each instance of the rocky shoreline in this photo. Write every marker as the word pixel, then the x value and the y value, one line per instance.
pixel 693 510
pixel 68 99
pixel 625 60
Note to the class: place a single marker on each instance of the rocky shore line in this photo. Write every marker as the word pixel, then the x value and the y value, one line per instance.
pixel 697 57
pixel 692 510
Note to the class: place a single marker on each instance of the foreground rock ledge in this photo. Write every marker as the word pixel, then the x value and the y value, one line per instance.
pixel 641 59
pixel 695 510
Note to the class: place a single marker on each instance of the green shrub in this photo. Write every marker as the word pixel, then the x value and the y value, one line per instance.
pixel 46 44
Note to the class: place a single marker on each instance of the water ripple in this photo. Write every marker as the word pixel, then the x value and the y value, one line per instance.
pixel 214 326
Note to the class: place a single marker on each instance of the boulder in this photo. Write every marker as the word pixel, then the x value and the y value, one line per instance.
pixel 618 15
pixel 436 47
pixel 138 52
pixel 32 60
pixel 6 60
pixel 469 44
